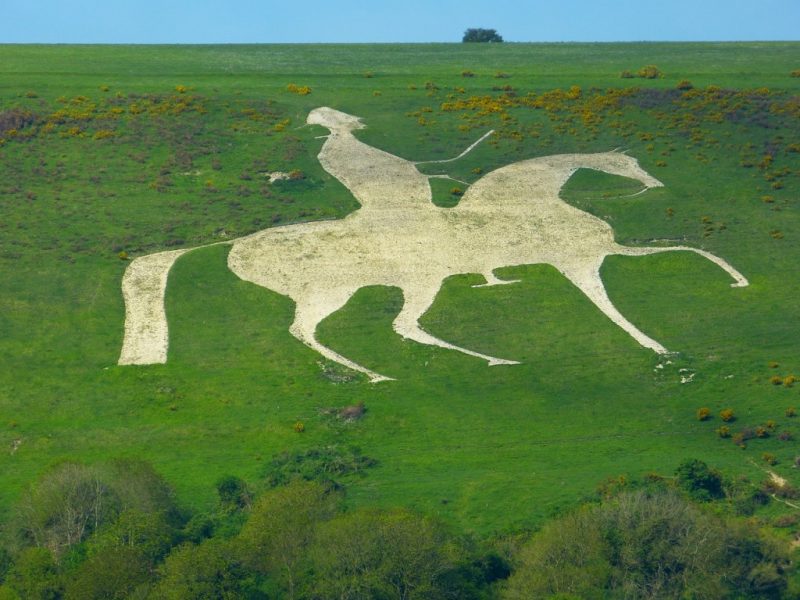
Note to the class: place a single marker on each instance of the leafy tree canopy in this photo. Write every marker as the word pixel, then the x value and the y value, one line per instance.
pixel 481 35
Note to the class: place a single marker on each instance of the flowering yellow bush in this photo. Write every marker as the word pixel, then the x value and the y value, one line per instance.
pixel 300 90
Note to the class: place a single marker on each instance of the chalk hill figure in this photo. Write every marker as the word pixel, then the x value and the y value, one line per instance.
pixel 398 237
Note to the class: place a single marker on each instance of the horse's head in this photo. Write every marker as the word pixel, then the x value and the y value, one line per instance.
pixel 334 120
pixel 619 163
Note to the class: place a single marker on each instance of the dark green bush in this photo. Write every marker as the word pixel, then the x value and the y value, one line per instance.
pixel 702 482
pixel 316 464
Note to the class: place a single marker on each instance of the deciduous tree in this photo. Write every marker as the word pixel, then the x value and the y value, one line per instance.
pixel 382 554
pixel 481 35
pixel 275 539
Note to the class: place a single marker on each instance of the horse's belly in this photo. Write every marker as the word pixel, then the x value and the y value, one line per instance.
pixel 298 259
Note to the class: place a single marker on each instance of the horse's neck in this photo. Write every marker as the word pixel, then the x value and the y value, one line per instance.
pixel 338 138
pixel 379 180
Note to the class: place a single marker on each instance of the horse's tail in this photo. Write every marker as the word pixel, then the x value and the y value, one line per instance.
pixel 144 288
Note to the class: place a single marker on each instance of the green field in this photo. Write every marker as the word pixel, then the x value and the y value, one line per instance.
pixel 128 149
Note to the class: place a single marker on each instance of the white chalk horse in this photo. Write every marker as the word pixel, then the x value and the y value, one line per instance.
pixel 398 237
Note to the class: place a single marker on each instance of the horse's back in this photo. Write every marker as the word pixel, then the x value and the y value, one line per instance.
pixel 521 182
pixel 521 202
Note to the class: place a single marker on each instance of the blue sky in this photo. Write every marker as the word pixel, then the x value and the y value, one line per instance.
pixel 268 21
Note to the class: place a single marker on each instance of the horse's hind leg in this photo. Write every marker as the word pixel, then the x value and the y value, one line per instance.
pixel 740 280
pixel 417 302
pixel 587 279
pixel 309 313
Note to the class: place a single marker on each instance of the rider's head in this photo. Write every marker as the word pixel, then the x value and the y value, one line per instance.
pixel 333 119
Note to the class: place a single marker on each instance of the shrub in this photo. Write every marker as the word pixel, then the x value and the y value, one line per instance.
pixel 795 73
pixel 233 492
pixel 697 478
pixel 15 120
pixel 300 90
pixel 369 75
pixel 746 504
pixel 791 412
pixel 685 84
pixel 786 521
pixel 122 255
pixel 776 380
pixel 181 89
pixel 457 191
pixel 724 431
pixel 299 427
pixel 727 415
pixel 770 425
pixel 762 432
pixel 626 75
pixel 789 380
pixel 780 489
pixel 703 414
pixel 785 436
pixel 467 74
pixel 320 464
pixel 501 75
pixel 612 486
pixel 649 72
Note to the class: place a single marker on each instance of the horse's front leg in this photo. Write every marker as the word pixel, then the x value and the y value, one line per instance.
pixel 586 278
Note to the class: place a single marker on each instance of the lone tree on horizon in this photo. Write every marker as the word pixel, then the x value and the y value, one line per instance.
pixel 481 35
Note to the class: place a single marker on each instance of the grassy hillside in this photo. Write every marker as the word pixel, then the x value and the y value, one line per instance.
pixel 126 149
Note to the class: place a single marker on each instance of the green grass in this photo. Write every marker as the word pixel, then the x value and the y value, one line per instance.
pixel 488 448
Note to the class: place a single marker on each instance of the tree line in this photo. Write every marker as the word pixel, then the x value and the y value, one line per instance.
pixel 115 530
